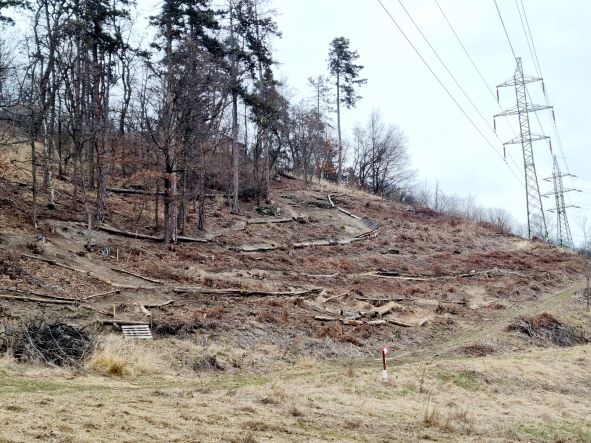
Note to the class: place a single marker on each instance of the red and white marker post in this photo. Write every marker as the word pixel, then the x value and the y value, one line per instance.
pixel 385 351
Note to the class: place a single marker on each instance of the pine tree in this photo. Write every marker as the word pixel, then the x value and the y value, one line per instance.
pixel 341 65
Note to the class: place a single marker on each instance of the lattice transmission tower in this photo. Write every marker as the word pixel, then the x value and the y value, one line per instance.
pixel 536 222
pixel 563 234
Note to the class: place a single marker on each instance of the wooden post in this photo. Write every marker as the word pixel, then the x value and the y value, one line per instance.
pixel 385 369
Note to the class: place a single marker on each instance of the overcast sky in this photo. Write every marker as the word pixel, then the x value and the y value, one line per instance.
pixel 444 145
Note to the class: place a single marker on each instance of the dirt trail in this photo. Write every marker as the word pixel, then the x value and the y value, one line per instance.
pixel 489 329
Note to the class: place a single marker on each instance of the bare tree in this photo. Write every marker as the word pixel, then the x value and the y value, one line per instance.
pixel 381 161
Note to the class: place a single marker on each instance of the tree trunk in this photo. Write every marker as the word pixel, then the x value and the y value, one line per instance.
pixel 340 166
pixel 170 202
pixel 235 157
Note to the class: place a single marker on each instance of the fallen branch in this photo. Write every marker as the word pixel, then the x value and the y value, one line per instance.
pixel 332 205
pixel 53 262
pixel 88 273
pixel 101 294
pixel 141 277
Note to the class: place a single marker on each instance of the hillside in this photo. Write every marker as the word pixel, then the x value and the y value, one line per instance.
pixel 259 301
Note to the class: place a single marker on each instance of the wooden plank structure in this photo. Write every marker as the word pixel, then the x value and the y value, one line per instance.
pixel 137 331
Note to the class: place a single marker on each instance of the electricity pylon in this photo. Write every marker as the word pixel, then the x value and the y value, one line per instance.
pixel 536 222
pixel 563 234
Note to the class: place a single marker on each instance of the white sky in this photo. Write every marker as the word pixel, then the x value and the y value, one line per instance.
pixel 443 144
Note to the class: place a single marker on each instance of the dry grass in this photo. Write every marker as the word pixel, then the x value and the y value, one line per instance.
pixel 117 356
pixel 537 396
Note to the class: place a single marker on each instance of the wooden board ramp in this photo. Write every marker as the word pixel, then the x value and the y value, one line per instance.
pixel 137 331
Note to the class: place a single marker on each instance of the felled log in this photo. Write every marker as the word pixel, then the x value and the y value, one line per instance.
pixel 262 221
pixel 376 322
pixel 139 236
pixel 247 293
pixel 378 300
pixel 133 191
pixel 37 294
pixel 383 310
pixel 255 248
pixel 185 239
pixel 324 318
pixel 159 305
pixel 398 323
pixel 141 277
pixel 328 242
pixel 351 322
pixel 37 299
pixel 306 244
pixel 321 275
pixel 344 211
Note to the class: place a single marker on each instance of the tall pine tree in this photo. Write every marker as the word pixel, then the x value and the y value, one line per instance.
pixel 341 65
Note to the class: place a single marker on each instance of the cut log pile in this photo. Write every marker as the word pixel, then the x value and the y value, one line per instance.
pixel 373 317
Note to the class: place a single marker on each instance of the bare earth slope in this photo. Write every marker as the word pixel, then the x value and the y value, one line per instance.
pixel 268 328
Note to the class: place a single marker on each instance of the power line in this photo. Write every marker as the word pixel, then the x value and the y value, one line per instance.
pixel 538 67
pixel 443 86
pixel 466 52
pixel 495 98
pixel 505 28
pixel 486 121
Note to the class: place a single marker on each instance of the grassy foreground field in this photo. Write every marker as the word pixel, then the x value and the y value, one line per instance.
pixel 540 395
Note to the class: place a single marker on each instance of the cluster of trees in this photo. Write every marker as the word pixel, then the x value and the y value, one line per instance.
pixel 195 108
pixel 430 195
